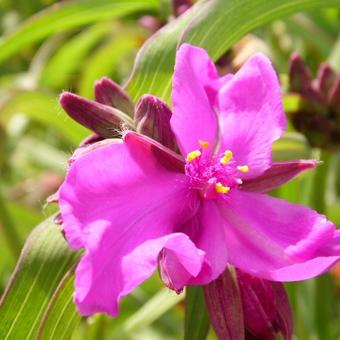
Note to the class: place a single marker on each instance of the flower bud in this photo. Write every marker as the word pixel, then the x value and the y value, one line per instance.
pixel 334 99
pixel 109 93
pixel 299 75
pixel 180 6
pixel 224 304
pixel 152 118
pixel 325 80
pixel 266 308
pixel 318 114
pixel 101 119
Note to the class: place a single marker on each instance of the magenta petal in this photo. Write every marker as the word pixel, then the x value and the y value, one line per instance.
pixel 112 180
pixel 115 200
pixel 251 114
pixel 278 174
pixel 194 83
pixel 206 230
pixel 118 265
pixel 275 239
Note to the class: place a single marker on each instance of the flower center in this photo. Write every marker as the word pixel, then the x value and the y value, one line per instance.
pixel 213 175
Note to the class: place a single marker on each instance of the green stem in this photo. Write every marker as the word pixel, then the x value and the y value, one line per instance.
pixel 8 229
pixel 323 296
pixel 196 324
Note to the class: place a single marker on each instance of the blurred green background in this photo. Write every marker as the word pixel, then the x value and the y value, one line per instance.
pixel 61 47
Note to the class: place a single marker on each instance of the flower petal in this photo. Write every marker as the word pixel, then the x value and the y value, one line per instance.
pixel 275 239
pixel 115 200
pixel 118 265
pixel 118 182
pixel 278 174
pixel 206 230
pixel 251 114
pixel 193 94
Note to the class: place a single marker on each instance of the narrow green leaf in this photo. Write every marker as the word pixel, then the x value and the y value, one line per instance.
pixel 45 109
pixel 66 15
pixel 215 25
pixel 149 312
pixel 8 230
pixel 43 263
pixel 105 60
pixel 196 326
pixel 65 63
pixel 60 317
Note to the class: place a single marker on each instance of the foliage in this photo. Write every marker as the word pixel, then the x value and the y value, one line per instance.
pixel 49 46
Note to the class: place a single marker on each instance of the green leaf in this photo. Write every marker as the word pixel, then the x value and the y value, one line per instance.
pixel 196 326
pixel 215 25
pixel 65 62
pixel 149 312
pixel 105 60
pixel 44 262
pixel 60 317
pixel 43 108
pixel 66 15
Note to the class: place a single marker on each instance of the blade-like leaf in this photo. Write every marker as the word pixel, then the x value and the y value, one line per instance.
pixel 44 109
pixel 65 62
pixel 66 15
pixel 105 60
pixel 215 25
pixel 60 317
pixel 196 326
pixel 43 263
pixel 149 312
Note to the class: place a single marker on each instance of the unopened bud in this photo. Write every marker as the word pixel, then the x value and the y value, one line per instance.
pixel 325 79
pixel 101 119
pixel 299 75
pixel 224 304
pixel 334 99
pixel 152 118
pixel 180 6
pixel 266 308
pixel 109 93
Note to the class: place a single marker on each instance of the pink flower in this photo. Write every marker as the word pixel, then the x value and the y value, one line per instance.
pixel 135 204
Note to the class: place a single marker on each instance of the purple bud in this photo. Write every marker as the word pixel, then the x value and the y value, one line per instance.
pixel 334 99
pixel 109 93
pixel 180 6
pixel 151 23
pixel 94 138
pixel 266 308
pixel 224 304
pixel 101 119
pixel 300 81
pixel 152 118
pixel 299 75
pixel 325 79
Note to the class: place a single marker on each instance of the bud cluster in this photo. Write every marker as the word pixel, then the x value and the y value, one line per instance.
pixel 318 113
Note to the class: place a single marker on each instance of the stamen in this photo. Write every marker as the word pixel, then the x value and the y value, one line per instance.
pixel 203 144
pixel 193 155
pixel 228 155
pixel 243 168
pixel 221 189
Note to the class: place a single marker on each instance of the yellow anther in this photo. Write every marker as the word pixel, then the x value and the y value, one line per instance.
pixel 203 144
pixel 228 155
pixel 193 155
pixel 243 168
pixel 221 189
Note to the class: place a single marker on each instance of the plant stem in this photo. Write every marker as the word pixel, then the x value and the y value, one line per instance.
pixel 323 296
